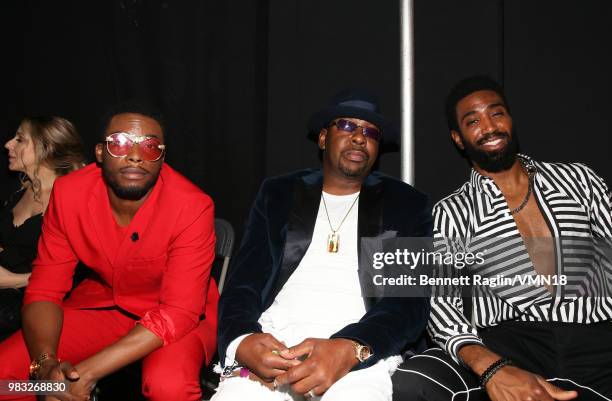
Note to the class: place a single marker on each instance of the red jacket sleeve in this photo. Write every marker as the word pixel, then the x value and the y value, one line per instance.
pixel 53 268
pixel 185 281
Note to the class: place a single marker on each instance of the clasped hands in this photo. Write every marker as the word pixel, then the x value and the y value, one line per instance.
pixel 310 367
pixel 79 386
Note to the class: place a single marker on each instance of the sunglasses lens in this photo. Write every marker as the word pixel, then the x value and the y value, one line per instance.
pixel 149 149
pixel 350 126
pixel 372 133
pixel 346 125
pixel 119 145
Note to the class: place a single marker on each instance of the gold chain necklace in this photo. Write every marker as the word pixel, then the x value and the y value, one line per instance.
pixel 333 239
pixel 530 174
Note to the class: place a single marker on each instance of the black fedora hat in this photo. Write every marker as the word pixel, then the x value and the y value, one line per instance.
pixel 355 103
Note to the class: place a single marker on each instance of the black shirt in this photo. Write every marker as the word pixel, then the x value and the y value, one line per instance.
pixel 19 243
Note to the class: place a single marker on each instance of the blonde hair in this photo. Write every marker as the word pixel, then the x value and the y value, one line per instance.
pixel 57 146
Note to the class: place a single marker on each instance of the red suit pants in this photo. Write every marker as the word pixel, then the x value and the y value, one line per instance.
pixel 168 373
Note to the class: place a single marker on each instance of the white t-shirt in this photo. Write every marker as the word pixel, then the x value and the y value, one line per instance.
pixel 323 294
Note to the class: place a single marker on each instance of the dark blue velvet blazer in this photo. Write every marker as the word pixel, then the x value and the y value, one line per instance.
pixel 277 235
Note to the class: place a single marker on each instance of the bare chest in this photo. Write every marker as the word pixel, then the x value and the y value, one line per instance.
pixel 537 237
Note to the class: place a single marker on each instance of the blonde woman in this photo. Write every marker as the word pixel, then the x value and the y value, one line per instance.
pixel 42 149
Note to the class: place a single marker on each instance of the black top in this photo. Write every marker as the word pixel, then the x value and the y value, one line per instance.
pixel 19 243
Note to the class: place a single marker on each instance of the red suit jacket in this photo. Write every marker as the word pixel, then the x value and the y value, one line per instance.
pixel 162 277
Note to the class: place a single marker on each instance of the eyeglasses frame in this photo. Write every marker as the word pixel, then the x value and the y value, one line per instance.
pixel 136 140
pixel 335 123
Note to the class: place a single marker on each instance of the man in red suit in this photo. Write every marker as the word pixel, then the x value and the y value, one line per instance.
pixel 147 234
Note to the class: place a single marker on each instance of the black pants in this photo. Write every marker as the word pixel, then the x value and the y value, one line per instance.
pixel 563 353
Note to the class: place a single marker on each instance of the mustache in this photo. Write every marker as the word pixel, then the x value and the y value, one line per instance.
pixel 492 136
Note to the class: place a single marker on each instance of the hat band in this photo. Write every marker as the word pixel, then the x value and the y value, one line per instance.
pixel 360 104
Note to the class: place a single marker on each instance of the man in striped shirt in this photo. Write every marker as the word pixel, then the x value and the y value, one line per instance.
pixel 532 340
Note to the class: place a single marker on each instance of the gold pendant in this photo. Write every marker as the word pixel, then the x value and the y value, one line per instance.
pixel 332 242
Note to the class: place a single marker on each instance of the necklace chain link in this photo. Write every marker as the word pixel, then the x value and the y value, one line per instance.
pixel 530 174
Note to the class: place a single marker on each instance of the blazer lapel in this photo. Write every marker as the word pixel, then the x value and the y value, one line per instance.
pixel 370 224
pixel 102 220
pixel 300 226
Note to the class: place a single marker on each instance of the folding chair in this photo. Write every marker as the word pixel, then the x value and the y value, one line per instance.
pixel 223 247
pixel 223 252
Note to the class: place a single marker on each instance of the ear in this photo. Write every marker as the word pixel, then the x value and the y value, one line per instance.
pixel 322 138
pixel 99 152
pixel 456 136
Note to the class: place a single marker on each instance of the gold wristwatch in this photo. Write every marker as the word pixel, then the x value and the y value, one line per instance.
pixel 362 352
pixel 35 364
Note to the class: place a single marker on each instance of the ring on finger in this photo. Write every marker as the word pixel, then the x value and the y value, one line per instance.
pixel 275 351
pixel 310 394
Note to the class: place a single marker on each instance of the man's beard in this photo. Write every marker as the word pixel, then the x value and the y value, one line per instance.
pixel 128 192
pixel 495 161
pixel 356 172
pixel 360 172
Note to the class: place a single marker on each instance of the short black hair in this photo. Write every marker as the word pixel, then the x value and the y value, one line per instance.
pixel 143 107
pixel 466 87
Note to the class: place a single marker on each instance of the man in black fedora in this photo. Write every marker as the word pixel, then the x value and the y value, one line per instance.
pixel 295 318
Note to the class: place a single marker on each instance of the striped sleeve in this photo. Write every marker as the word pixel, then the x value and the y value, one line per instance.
pixel 600 206
pixel 448 326
pixel 600 211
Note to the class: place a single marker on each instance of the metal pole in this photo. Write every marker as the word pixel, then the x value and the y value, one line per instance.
pixel 407 84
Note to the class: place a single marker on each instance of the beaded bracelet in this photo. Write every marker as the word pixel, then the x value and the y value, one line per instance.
pixel 491 370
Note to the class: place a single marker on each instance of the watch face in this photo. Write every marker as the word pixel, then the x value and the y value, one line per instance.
pixel 364 353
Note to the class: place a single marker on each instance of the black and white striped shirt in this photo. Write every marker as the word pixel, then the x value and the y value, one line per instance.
pixel 576 204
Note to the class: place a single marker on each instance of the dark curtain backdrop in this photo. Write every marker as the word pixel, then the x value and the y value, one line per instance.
pixel 237 80
pixel 554 60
